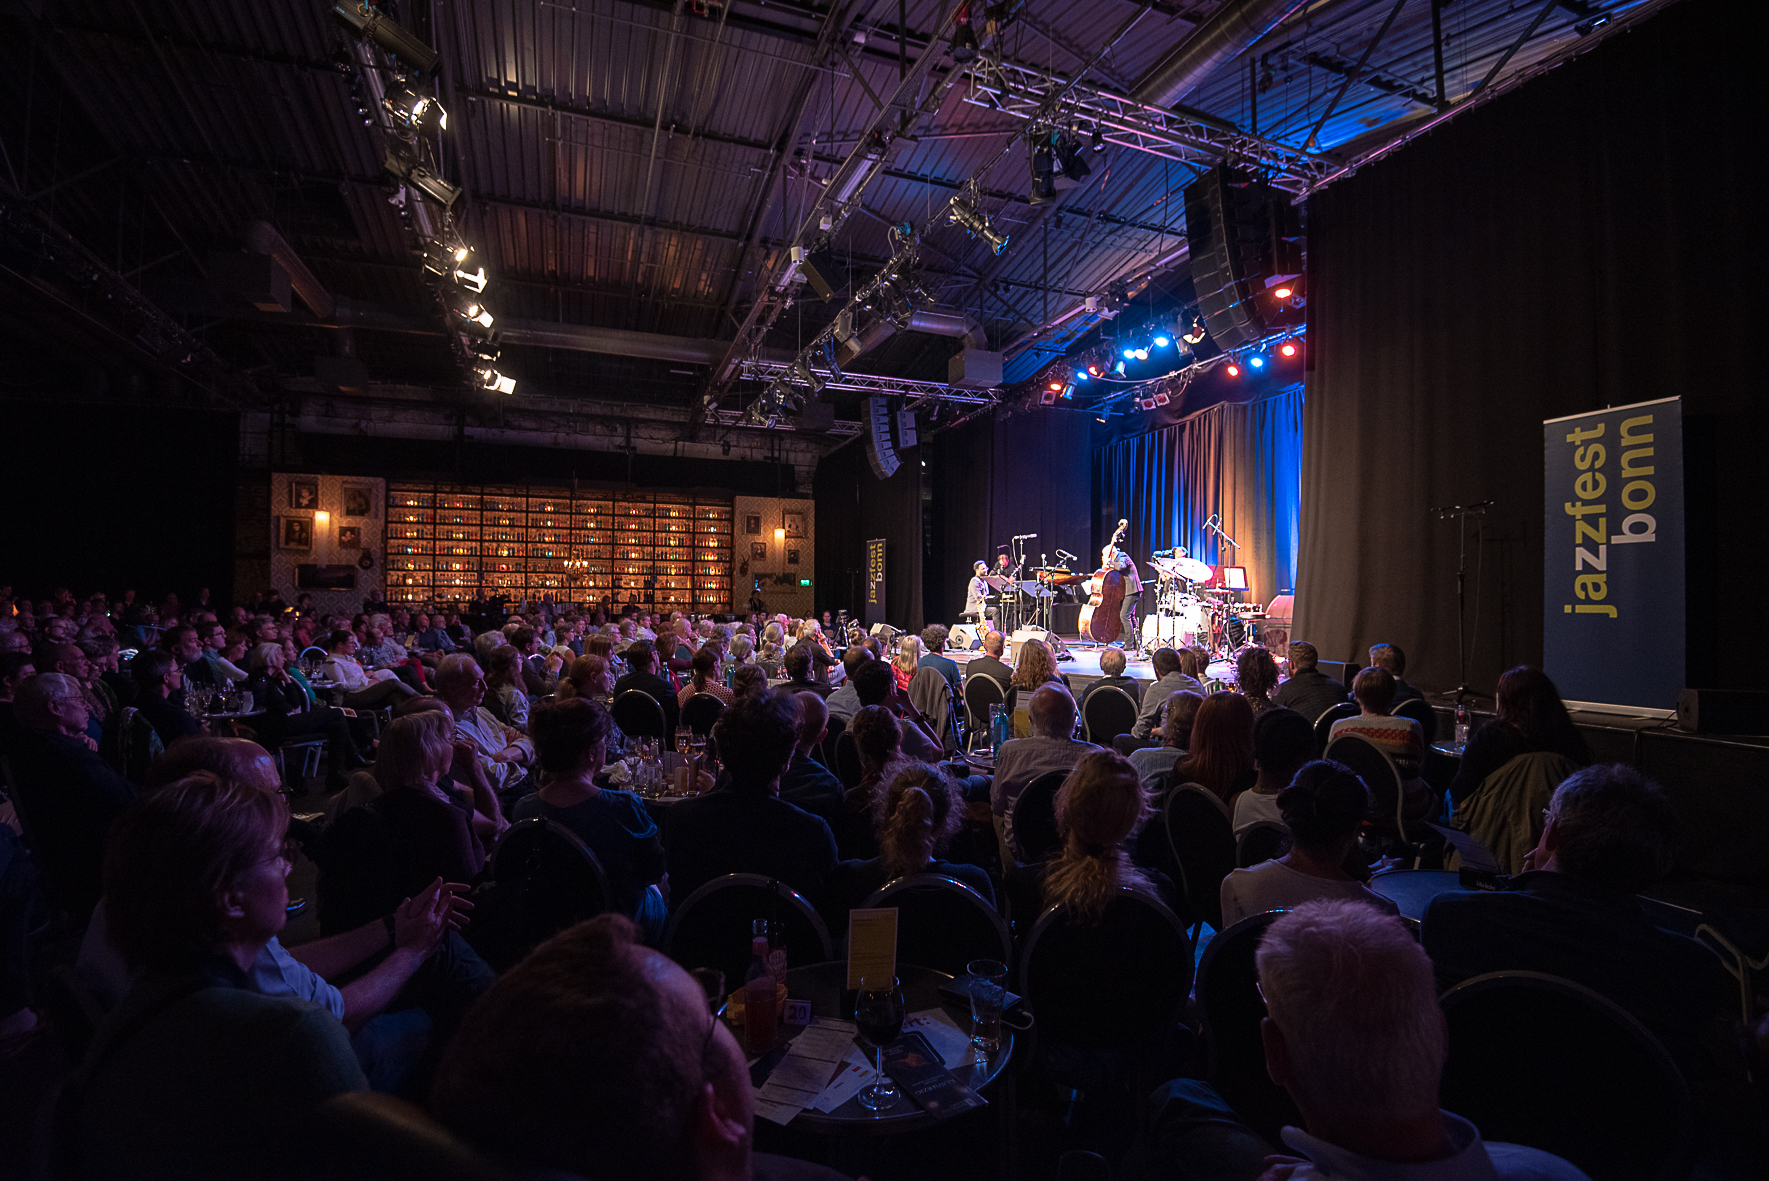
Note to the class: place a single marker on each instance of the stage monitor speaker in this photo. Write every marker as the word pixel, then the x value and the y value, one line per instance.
pixel 879 452
pixel 1724 711
pixel 965 637
pixel 1051 640
pixel 1241 233
pixel 1341 671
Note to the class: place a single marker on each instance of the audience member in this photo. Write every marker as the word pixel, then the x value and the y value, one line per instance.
pixel 1111 665
pixel 878 739
pixel 195 1073
pixel 915 817
pixel 1034 668
pixel 641 658
pixel 65 793
pixel 749 681
pixel 1309 691
pixel 1220 756
pixel 571 742
pixel 1390 657
pixel 906 660
pixel 806 667
pixel 1175 671
pixel 1403 739
pixel 506 693
pixel 990 664
pixel 587 678
pixel 290 714
pixel 874 684
pixel 744 827
pixel 934 637
pixel 705 678
pixel 15 669
pixel 1609 834
pixel 1176 735
pixel 596 1057
pixel 1323 807
pixel 362 690
pixel 507 752
pixel 159 695
pixel 806 782
pixel 1099 808
pixel 1282 742
pixel 1257 675
pixel 1530 717
pixel 844 702
pixel 1051 747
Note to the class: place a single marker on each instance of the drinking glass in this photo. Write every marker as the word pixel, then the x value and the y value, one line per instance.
pixel 988 994
pixel 878 1014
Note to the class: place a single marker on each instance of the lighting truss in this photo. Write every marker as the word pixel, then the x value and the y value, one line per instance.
pixel 736 418
pixel 867 383
pixel 1022 92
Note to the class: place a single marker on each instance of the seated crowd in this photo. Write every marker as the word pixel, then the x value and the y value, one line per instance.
pixel 166 863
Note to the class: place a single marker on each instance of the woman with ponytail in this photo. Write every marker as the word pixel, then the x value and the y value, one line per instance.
pixel 1100 806
pixel 705 678
pixel 914 817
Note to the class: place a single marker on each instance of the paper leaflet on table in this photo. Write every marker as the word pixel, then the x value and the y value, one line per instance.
pixel 811 1058
pixel 952 1044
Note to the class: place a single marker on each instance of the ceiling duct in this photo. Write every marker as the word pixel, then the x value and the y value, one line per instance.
pixel 945 323
pixel 1235 27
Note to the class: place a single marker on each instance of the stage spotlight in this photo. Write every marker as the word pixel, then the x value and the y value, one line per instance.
pixel 1142 354
pixel 1068 152
pixel 1195 335
pixel 1069 390
pixel 1284 291
pixel 1095 370
pixel 1130 354
pixel 1256 362
pixel 1288 348
pixel 491 379
pixel 1161 398
pixel 964 41
pixel 1118 369
pixel 1162 342
pixel 473 281
pixel 967 215
pixel 1080 375
pixel 1047 395
pixel 427 182
pixel 1056 385
pixel 386 33
pixel 414 111
pixel 1099 139
pixel 1043 189
pixel 1234 370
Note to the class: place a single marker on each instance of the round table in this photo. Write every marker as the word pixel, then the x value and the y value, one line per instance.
pixel 825 986
pixel 1413 889
pixel 980 761
pixel 1448 750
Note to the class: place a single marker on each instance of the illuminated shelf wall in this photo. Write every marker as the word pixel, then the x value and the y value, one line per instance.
pixel 450 544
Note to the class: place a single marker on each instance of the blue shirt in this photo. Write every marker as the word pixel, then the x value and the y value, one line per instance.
pixel 618 830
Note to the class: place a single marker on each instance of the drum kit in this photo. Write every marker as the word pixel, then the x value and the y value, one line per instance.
pixel 1191 614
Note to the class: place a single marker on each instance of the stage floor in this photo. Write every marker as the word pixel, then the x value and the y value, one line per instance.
pixel 1083 669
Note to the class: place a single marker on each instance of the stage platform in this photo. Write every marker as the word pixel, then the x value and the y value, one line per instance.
pixel 1083 669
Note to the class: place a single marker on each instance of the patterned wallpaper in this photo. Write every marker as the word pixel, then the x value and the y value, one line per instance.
pixel 770 516
pixel 353 527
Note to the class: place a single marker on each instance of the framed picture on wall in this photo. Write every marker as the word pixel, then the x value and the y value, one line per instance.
pixel 304 494
pixel 294 533
pixel 795 524
pixel 358 501
pixel 752 523
pixel 349 536
pixel 792 557
pixel 758 551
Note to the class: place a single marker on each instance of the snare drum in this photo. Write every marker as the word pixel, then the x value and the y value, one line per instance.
pixel 1221 675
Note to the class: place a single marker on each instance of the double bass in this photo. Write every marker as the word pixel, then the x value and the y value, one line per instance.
pixel 1099 619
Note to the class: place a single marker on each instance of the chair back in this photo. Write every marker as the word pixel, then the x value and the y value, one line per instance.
pixel 847 760
pixel 1266 840
pixel 1600 1091
pixel 1505 812
pixel 838 726
pixel 1109 712
pixel 980 692
pixel 1034 817
pixel 1371 764
pixel 702 710
pixel 638 714
pixel 929 693
pixel 547 879
pixel 1202 839
pixel 367 1136
pixel 1420 711
pixel 711 928
pixel 73 1009
pixel 1137 958
pixel 1232 1009
pixel 140 745
pixel 942 923
pixel 1323 725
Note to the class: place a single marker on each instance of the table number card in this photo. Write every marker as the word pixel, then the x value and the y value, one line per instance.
pixel 872 944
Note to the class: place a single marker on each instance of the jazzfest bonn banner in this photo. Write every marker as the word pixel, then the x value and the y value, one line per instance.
pixel 1612 590
pixel 875 582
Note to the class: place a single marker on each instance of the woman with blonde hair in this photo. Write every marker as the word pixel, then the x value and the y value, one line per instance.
pixel 914 818
pixel 586 677
pixel 905 662
pixel 506 696
pixel 1099 808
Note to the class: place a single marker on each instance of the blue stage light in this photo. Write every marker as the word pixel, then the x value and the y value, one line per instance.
pixel 1080 375
pixel 1256 362
pixel 1162 342
pixel 1130 354
pixel 1118 368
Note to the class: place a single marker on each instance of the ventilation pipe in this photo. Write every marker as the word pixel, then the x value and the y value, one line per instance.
pixel 1235 27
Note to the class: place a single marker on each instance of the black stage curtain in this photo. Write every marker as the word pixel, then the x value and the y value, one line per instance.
pixel 1592 239
pixel 1240 460
pixel 106 497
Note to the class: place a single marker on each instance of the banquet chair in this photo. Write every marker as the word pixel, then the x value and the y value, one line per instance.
pixel 1034 817
pixel 929 693
pixel 367 1136
pixel 1323 725
pixel 980 692
pixel 847 760
pixel 838 726
pixel 1266 840
pixel 1373 765
pixel 1109 712
pixel 1202 839
pixel 639 715
pixel 712 926
pixel 1600 1090
pixel 701 712
pixel 1421 712
pixel 942 923
pixel 1232 1010
pixel 547 880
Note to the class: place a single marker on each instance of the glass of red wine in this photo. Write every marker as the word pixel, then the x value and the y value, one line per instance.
pixel 878 1013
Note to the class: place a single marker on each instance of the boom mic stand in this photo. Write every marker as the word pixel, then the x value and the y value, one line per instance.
pixel 1461 513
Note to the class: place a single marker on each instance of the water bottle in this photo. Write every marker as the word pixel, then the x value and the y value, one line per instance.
pixel 1461 726
pixel 1000 728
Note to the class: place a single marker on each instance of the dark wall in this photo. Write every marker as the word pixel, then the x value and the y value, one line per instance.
pixel 853 507
pixel 1593 239
pixel 103 497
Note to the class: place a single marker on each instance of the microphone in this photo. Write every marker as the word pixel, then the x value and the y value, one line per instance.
pixel 1024 536
pixel 1001 547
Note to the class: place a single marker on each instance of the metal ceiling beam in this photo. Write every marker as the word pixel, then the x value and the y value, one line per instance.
pixel 767 369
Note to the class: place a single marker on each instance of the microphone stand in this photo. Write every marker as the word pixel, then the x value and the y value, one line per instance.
pixel 1461 513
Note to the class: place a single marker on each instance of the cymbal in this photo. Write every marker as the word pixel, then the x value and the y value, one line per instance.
pixel 1193 569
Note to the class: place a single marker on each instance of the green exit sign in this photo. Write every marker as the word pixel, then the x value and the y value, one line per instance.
pixel 804 582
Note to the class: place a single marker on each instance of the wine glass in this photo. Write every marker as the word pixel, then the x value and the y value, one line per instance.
pixel 878 1013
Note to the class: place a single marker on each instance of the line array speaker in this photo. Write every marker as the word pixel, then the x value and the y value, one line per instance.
pixel 879 452
pixel 1241 234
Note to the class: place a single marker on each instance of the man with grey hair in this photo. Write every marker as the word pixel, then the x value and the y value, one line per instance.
pixel 1609 833
pixel 68 793
pixel 507 753
pixel 1051 747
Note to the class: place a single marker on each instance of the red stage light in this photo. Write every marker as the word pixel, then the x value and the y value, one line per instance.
pixel 1056 385
pixel 1284 292
pixel 1288 349
pixel 1234 370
